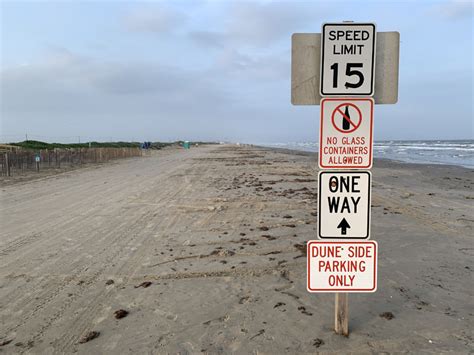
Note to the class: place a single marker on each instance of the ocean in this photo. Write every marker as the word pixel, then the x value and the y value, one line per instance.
pixel 449 152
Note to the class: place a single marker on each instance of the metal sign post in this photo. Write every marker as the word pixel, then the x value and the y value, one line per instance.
pixel 346 69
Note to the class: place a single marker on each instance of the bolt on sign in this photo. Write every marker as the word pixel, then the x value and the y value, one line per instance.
pixel 346 133
pixel 348 59
pixel 344 204
pixel 342 266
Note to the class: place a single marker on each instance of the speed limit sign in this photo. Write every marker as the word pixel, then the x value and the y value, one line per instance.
pixel 348 59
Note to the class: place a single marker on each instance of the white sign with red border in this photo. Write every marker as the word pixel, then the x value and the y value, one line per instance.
pixel 342 266
pixel 346 133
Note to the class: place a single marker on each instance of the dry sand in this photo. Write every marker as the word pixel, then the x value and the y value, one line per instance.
pixel 219 232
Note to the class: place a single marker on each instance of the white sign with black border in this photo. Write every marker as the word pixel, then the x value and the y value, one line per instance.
pixel 348 59
pixel 344 204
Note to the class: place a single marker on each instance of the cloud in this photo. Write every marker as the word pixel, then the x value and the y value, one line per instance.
pixel 66 93
pixel 454 10
pixel 260 24
pixel 253 67
pixel 66 83
pixel 263 23
pixel 136 78
pixel 154 19
pixel 82 96
pixel 208 38
pixel 251 40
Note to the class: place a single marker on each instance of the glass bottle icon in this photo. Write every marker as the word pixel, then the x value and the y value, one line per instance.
pixel 345 123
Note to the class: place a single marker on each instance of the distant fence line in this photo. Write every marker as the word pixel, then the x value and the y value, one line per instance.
pixel 21 160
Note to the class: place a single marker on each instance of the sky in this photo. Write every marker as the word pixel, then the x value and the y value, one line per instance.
pixel 215 70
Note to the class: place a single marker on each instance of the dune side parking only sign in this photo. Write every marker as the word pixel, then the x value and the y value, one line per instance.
pixel 344 204
pixel 342 266
pixel 346 133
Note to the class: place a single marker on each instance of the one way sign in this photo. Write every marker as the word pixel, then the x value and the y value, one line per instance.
pixel 344 204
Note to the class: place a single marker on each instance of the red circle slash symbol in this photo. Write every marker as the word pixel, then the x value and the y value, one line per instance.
pixel 343 121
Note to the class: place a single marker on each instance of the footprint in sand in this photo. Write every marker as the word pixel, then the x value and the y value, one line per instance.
pixel 303 310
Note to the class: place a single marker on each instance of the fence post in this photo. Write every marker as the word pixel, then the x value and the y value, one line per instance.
pixel 7 164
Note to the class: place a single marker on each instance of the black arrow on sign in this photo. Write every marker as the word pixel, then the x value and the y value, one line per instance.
pixel 344 225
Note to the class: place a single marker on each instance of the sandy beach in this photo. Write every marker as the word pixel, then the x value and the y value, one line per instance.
pixel 204 250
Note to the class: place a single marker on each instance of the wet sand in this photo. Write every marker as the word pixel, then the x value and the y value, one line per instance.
pixel 203 251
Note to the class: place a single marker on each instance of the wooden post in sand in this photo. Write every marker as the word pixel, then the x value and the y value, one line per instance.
pixel 7 164
pixel 341 314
